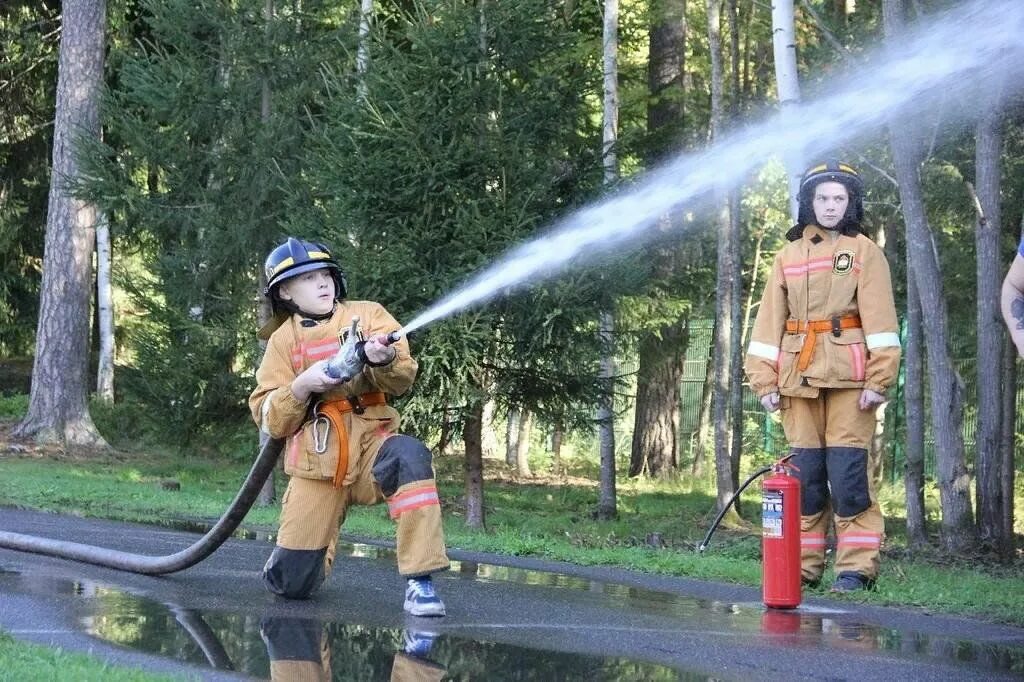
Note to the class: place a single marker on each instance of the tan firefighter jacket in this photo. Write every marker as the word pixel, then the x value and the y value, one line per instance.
pixel 829 284
pixel 292 348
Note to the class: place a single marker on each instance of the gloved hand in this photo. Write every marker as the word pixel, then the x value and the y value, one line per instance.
pixel 377 351
pixel 770 401
pixel 314 380
pixel 869 399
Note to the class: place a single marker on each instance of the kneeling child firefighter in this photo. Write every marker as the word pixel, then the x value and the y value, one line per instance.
pixel 342 443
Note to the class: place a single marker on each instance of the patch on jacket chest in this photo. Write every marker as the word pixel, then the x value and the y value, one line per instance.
pixel 842 262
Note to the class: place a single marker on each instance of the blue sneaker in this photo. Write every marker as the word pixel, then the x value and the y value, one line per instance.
pixel 420 598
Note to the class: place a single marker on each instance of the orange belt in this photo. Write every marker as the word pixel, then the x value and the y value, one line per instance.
pixel 836 325
pixel 332 411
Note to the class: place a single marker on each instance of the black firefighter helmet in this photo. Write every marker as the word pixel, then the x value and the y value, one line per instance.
pixel 295 257
pixel 831 171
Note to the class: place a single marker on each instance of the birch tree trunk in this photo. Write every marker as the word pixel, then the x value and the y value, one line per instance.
pixel 990 330
pixel 523 444
pixel 556 449
pixel 512 436
pixel 268 493
pixel 788 84
pixel 363 51
pixel 735 246
pixel 607 503
pixel 736 257
pixel 58 410
pixel 945 387
pixel 488 437
pixel 105 310
pixel 727 270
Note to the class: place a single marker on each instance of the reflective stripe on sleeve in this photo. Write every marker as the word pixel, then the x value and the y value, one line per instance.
pixel 882 340
pixel 763 350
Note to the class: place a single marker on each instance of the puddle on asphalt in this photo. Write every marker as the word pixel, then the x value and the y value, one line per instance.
pixel 292 649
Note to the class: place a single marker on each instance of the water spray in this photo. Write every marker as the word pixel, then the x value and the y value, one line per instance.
pixel 945 55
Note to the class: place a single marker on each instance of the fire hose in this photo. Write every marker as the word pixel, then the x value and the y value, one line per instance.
pixel 158 565
pixel 348 362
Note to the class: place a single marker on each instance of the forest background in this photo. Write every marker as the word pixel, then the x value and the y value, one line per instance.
pixel 420 141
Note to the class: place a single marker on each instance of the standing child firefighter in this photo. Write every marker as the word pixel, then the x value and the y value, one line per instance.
pixel 342 443
pixel 825 349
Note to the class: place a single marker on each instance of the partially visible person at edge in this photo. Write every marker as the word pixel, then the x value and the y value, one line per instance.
pixel 824 350
pixel 342 443
pixel 1012 299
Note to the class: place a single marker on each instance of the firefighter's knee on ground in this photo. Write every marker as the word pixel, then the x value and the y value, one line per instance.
pixel 402 459
pixel 848 474
pixel 294 573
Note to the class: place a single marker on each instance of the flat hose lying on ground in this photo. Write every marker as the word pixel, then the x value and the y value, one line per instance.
pixel 157 565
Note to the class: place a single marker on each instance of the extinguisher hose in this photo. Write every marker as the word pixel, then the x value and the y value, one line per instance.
pixel 721 514
pixel 158 565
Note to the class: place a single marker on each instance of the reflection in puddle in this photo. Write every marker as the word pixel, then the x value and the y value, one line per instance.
pixel 292 649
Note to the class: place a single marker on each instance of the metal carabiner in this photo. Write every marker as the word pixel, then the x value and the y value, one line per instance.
pixel 320 438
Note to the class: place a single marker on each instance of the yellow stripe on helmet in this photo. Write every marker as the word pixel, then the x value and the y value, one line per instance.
pixel 824 167
pixel 288 262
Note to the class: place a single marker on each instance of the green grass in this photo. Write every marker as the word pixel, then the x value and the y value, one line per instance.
pixel 27 662
pixel 549 519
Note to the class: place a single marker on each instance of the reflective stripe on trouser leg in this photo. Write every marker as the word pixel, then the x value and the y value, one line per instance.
pixel 311 513
pixel 859 541
pixel 419 538
pixel 859 523
pixel 298 648
pixel 813 531
pixel 405 475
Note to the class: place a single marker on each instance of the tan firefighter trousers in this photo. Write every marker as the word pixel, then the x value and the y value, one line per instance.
pixel 830 437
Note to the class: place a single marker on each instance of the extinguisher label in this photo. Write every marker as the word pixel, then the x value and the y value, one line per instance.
pixel 771 513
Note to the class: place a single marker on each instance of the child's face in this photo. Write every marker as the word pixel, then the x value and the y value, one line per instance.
pixel 830 201
pixel 312 292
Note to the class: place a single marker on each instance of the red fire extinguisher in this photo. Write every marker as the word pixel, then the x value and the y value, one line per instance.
pixel 780 538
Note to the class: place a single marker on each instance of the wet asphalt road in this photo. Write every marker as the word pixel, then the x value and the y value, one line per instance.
pixel 507 619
